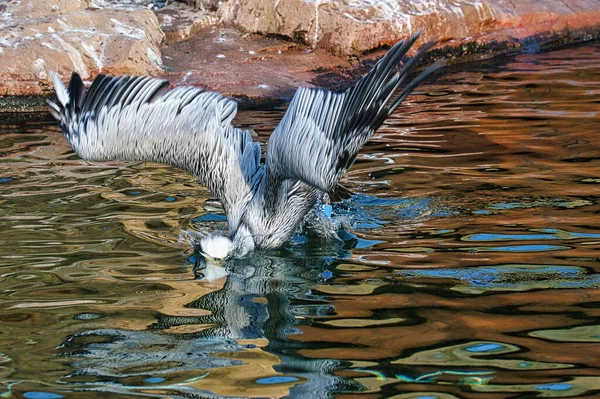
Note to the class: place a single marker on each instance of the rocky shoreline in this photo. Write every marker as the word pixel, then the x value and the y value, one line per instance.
pixel 256 52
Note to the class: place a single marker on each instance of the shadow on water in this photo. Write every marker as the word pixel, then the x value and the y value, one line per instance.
pixel 468 268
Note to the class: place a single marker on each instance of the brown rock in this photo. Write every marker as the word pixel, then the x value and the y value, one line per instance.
pixel 179 21
pixel 254 69
pixel 71 35
pixel 31 9
pixel 353 27
pixel 68 36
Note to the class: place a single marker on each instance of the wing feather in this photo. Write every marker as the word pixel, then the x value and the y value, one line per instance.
pixel 321 133
pixel 135 118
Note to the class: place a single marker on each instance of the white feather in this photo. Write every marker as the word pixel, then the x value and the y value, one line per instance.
pixel 217 247
pixel 61 90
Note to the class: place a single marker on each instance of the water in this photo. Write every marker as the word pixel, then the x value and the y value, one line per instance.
pixel 470 268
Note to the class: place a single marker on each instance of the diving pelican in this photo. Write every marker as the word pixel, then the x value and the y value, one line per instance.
pixel 316 142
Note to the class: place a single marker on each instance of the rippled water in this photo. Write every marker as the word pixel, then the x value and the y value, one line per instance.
pixel 470 267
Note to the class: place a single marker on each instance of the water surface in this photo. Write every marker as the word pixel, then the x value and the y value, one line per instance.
pixel 470 265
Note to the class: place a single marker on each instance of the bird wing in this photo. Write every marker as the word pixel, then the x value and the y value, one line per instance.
pixel 321 133
pixel 136 118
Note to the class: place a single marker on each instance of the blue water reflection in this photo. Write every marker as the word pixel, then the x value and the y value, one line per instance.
pixel 551 234
pixel 42 395
pixel 364 211
pixel 508 277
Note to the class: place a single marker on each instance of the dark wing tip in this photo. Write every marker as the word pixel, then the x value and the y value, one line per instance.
pixel 76 91
pixel 75 75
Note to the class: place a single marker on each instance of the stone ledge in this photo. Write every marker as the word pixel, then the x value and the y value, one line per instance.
pixel 73 35
pixel 299 42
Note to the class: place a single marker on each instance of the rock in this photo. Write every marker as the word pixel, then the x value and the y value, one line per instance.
pixel 467 30
pixel 72 35
pixel 254 69
pixel 284 43
pixel 179 21
pixel 353 27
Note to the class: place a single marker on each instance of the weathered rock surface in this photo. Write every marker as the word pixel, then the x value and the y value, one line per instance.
pixel 219 58
pixel 256 50
pixel 73 35
pixel 351 27
pixel 179 21
pixel 257 70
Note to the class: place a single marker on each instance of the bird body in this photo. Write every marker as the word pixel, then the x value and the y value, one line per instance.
pixel 137 118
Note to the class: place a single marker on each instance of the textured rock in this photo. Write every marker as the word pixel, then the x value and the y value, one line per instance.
pixel 179 21
pixel 352 27
pixel 218 44
pixel 467 30
pixel 72 35
pixel 256 70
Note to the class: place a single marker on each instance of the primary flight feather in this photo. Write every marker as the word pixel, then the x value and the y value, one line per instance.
pixel 316 142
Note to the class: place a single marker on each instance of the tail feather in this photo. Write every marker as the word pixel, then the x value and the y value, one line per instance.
pixel 76 93
pixel 55 110
pixel 68 101
pixel 59 87
pixel 57 107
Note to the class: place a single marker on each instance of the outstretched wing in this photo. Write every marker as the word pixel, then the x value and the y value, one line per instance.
pixel 321 133
pixel 136 118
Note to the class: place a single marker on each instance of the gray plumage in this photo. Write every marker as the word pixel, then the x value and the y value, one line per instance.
pixel 136 118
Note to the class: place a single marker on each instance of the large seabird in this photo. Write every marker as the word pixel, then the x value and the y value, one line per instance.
pixel 316 142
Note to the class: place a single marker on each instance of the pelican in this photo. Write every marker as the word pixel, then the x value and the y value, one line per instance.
pixel 316 142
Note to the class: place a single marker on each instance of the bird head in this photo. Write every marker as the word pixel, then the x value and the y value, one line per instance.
pixel 215 248
pixel 214 251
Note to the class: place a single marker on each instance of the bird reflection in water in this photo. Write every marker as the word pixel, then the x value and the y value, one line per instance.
pixel 243 347
pixel 262 300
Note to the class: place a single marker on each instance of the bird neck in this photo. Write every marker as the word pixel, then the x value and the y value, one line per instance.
pixel 271 190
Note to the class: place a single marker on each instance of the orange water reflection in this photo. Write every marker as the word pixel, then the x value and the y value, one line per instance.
pixel 470 269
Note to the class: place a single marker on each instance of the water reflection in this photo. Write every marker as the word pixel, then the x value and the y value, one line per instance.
pixel 514 277
pixel 468 268
pixel 239 348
